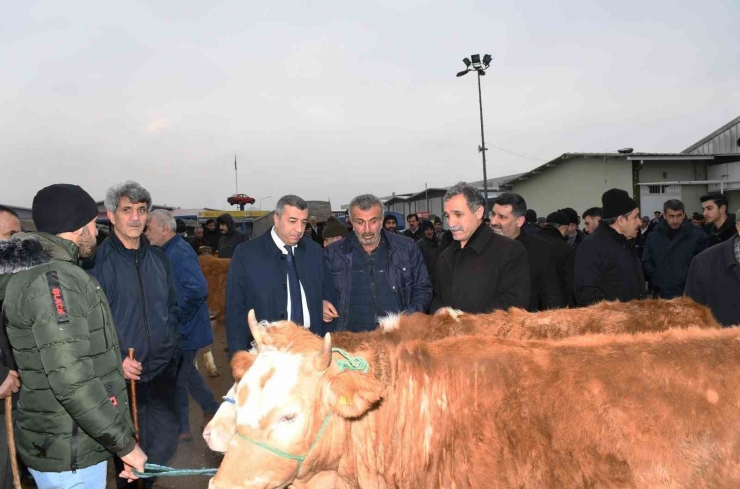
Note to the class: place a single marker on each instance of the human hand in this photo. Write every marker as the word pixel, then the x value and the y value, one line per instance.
pixel 330 312
pixel 11 385
pixel 131 369
pixel 134 460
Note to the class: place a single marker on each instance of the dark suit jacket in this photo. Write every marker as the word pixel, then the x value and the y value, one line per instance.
pixel 544 282
pixel 257 280
pixel 492 273
pixel 714 281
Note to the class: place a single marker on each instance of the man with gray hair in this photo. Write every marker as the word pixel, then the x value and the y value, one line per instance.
pixel 481 270
pixel 192 306
pixel 137 280
pixel 281 275
pixel 375 272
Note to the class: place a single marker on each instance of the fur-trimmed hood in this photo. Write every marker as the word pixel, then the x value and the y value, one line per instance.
pixel 27 250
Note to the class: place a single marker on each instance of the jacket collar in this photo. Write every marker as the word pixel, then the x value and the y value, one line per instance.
pixel 169 244
pixel 138 253
pixel 385 237
pixel 27 250
pixel 272 249
pixel 607 230
pixel 479 239
pixel 685 228
pixel 729 252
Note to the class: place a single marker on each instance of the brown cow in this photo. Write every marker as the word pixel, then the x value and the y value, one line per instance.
pixel 599 411
pixel 215 271
pixel 603 317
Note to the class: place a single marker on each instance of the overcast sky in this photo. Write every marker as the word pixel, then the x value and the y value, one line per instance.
pixel 333 99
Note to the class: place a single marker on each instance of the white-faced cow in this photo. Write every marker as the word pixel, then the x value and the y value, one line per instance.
pixel 604 317
pixel 599 411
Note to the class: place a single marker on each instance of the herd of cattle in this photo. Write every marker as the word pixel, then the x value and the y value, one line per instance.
pixel 616 395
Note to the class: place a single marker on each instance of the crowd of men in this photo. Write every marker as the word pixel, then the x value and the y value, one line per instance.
pixel 142 288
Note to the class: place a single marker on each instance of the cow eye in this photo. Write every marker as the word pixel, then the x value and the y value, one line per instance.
pixel 288 418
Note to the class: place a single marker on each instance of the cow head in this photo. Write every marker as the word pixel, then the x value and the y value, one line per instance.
pixel 291 404
pixel 222 428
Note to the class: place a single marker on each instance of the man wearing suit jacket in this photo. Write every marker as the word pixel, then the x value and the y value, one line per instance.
pixel 281 275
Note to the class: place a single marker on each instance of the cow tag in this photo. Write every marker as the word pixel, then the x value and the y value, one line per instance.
pixel 345 401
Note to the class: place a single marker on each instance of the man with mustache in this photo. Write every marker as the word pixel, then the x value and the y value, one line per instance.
pixel 375 272
pixel 281 275
pixel 480 271
pixel 607 265
pixel 138 281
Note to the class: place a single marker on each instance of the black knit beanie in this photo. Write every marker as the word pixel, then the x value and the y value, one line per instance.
pixel 389 217
pixel 530 216
pixel 558 217
pixel 616 203
pixel 62 208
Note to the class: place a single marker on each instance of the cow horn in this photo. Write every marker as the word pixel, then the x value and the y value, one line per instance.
pixel 323 358
pixel 256 330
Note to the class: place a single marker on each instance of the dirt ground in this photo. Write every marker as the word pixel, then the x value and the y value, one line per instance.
pixel 196 454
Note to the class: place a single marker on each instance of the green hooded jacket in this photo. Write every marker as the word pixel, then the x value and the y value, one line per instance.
pixel 73 410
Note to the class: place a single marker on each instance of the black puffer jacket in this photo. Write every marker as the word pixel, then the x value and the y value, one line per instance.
pixel 228 242
pixel 608 268
pixel 142 296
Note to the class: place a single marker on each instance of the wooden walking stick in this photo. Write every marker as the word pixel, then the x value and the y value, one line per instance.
pixel 6 353
pixel 134 406
pixel 135 412
pixel 11 442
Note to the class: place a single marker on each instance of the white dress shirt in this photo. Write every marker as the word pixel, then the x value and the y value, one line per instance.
pixel 306 316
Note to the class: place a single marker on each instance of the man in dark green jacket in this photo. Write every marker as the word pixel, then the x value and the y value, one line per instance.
pixel 73 409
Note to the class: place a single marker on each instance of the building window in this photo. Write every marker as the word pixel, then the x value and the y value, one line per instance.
pixel 660 190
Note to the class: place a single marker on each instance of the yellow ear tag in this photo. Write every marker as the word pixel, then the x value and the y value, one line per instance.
pixel 344 401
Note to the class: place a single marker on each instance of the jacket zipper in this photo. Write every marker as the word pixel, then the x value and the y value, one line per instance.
pixel 102 313
pixel 143 309
pixel 75 435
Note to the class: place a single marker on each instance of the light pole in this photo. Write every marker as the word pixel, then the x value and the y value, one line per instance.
pixel 480 66
pixel 263 198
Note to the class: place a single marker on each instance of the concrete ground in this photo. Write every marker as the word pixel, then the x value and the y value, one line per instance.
pixel 196 454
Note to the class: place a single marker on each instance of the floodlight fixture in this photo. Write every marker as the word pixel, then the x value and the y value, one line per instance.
pixel 462 73
pixel 475 59
pixel 467 62
pixel 487 60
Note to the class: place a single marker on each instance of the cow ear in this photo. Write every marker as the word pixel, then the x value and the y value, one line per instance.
pixel 240 363
pixel 352 394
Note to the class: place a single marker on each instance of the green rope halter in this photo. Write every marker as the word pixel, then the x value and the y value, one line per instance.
pixel 350 363
pixel 280 453
pixel 154 470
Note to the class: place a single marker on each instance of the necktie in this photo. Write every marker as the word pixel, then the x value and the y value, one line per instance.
pixel 296 304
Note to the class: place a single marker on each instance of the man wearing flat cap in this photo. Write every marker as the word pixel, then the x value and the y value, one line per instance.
pixel 73 409
pixel 607 265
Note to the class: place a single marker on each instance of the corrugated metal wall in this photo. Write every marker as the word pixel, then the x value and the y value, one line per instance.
pixel 723 143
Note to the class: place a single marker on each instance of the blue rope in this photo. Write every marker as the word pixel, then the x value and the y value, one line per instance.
pixel 154 470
